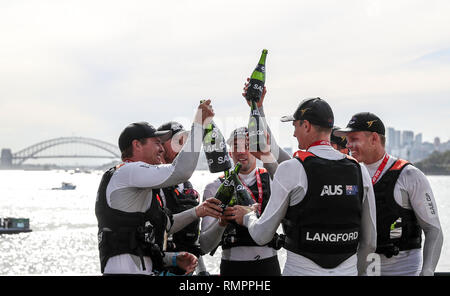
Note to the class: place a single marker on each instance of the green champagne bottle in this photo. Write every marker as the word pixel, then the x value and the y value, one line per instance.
pixel 225 191
pixel 243 198
pixel 215 149
pixel 257 138
pixel 257 79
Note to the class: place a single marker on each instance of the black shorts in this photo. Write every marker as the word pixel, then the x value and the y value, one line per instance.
pixel 263 267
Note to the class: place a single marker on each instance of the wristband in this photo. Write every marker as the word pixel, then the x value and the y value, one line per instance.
pixel 174 259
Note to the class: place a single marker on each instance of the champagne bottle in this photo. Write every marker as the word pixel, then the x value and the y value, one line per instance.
pixel 215 149
pixel 225 191
pixel 257 79
pixel 235 171
pixel 257 138
pixel 243 198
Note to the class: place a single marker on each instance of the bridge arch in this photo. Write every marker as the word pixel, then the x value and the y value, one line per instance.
pixel 31 151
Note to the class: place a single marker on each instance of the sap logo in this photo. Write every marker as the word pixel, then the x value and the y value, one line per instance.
pixel 331 190
pixel 228 183
pixel 219 160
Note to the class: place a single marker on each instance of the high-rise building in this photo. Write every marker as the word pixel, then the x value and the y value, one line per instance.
pixel 407 138
pixel 398 139
pixel 418 139
pixel 390 137
pixel 437 142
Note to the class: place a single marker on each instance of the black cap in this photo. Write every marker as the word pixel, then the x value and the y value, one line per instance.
pixel 315 110
pixel 339 140
pixel 173 126
pixel 364 121
pixel 140 130
pixel 239 133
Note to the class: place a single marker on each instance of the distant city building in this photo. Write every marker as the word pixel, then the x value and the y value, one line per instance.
pixel 403 144
pixel 407 138
pixel 398 142
pixel 437 143
pixel 418 139
pixel 390 137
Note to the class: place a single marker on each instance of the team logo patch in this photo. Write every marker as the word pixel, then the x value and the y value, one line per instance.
pixel 304 110
pixel 369 123
pixel 351 189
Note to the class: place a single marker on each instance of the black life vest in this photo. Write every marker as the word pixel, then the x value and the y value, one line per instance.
pixel 137 233
pixel 177 202
pixel 325 225
pixel 237 235
pixel 393 218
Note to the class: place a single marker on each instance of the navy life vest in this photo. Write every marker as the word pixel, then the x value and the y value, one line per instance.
pixel 177 202
pixel 397 227
pixel 119 232
pixel 237 235
pixel 325 225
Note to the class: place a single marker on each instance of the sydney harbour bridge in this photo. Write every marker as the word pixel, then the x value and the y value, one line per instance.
pixel 58 149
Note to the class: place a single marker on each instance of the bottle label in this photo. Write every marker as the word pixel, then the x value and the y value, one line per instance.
pixel 255 112
pixel 228 183
pixel 256 133
pixel 219 160
pixel 217 147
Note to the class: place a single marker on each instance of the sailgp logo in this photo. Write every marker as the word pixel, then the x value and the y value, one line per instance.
pixel 369 123
pixel 331 190
pixel 304 110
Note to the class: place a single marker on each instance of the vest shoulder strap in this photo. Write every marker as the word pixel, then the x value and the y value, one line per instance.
pixel 399 164
pixel 302 155
pixel 119 165
pixel 262 170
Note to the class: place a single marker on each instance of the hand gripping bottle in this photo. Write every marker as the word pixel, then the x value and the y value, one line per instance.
pixel 257 138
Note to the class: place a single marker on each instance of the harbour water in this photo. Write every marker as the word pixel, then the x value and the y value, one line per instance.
pixel 64 236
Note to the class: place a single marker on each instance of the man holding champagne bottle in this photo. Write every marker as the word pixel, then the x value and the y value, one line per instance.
pixel 323 199
pixel 240 254
pixel 179 198
pixel 132 220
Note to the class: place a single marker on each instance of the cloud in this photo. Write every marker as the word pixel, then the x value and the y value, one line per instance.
pixel 92 67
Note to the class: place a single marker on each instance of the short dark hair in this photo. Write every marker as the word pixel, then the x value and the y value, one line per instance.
pixel 318 128
pixel 128 152
pixel 322 129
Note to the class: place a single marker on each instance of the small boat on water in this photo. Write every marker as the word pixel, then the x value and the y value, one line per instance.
pixel 65 186
pixel 14 225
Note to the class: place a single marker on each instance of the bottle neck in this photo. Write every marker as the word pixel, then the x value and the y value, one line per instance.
pixel 262 59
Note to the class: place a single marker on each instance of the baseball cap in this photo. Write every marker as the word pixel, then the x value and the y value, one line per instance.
pixel 315 110
pixel 339 140
pixel 140 130
pixel 173 126
pixel 364 121
pixel 239 133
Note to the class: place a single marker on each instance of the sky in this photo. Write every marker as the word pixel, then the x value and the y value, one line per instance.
pixel 89 68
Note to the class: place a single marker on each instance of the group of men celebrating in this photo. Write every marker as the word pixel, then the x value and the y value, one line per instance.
pixel 362 214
